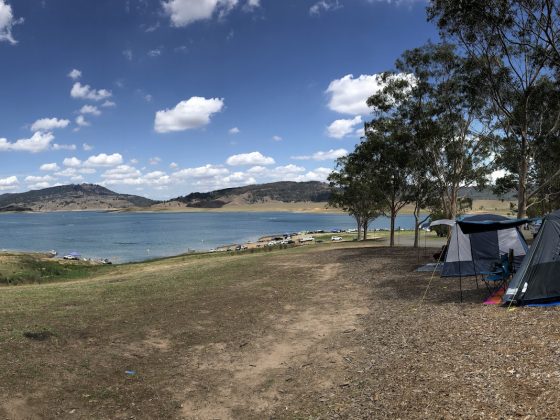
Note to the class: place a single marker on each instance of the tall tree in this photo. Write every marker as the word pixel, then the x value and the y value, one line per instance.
pixel 354 192
pixel 385 157
pixel 433 92
pixel 514 44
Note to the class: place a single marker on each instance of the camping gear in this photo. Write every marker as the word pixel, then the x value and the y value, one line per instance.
pixel 498 279
pixel 538 279
pixel 477 242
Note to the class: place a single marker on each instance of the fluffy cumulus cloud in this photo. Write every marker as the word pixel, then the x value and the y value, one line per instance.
pixel 81 121
pixel 104 159
pixel 324 6
pixel 234 130
pixel 80 91
pixel 342 128
pixel 90 109
pixel 189 114
pixel 48 124
pixel 253 158
pixel 57 146
pixel 206 171
pixel 184 12
pixel 49 167
pixel 7 21
pixel 75 74
pixel 328 155
pixel 37 182
pixel 348 95
pixel 72 162
pixel 9 183
pixel 38 142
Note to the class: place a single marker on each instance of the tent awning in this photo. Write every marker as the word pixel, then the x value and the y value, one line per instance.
pixel 446 222
pixel 480 226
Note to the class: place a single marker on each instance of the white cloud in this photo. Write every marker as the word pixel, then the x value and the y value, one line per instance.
pixel 234 130
pixel 349 95
pixel 156 52
pixel 104 159
pixel 329 155
pixel 185 12
pixel 47 124
pixel 324 6
pixel 49 167
pixel 7 21
pixel 207 171
pixel 319 174
pixel 257 170
pixel 192 113
pixel 72 162
pixel 173 165
pixel 64 146
pixel 75 74
pixel 81 121
pixel 154 160
pixel 277 138
pixel 39 185
pixel 90 109
pixel 342 128
pixel 39 142
pixel 9 183
pixel 80 91
pixel 253 158
pixel 87 147
pixel 108 104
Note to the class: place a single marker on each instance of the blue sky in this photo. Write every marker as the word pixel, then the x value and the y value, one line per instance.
pixel 162 98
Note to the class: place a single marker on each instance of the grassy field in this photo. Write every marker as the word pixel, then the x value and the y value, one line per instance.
pixel 322 331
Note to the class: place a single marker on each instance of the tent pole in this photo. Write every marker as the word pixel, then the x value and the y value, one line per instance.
pixel 473 263
pixel 459 259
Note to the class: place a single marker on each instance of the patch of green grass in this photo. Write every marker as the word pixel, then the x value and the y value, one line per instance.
pixel 30 269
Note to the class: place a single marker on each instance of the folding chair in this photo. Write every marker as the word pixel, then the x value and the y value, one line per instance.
pixel 499 277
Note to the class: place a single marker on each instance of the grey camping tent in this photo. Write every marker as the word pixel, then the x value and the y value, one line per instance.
pixel 470 254
pixel 538 280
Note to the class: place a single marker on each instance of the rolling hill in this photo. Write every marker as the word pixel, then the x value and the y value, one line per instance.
pixel 71 197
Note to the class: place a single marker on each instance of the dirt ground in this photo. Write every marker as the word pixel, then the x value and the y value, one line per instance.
pixel 324 332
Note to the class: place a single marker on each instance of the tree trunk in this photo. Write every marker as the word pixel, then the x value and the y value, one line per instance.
pixel 392 234
pixel 522 188
pixel 359 222
pixel 416 225
pixel 453 202
pixel 366 222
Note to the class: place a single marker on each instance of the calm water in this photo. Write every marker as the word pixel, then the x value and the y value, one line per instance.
pixel 124 237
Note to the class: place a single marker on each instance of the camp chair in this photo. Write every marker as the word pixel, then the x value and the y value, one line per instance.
pixel 498 277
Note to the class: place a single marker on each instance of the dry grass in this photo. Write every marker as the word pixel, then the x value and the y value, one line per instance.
pixel 313 332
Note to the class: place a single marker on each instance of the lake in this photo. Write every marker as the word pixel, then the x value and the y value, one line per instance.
pixel 125 237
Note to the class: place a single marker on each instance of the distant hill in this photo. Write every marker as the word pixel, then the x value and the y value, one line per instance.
pixel 279 192
pixel 71 197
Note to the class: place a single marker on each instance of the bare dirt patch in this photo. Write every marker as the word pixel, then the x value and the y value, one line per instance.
pixel 323 332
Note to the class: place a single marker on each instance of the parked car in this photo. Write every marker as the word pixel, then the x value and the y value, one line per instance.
pixel 307 239
pixel 534 227
pixel 336 238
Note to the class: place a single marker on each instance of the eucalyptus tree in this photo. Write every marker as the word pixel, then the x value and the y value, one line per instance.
pixel 386 158
pixel 355 192
pixel 433 92
pixel 514 44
